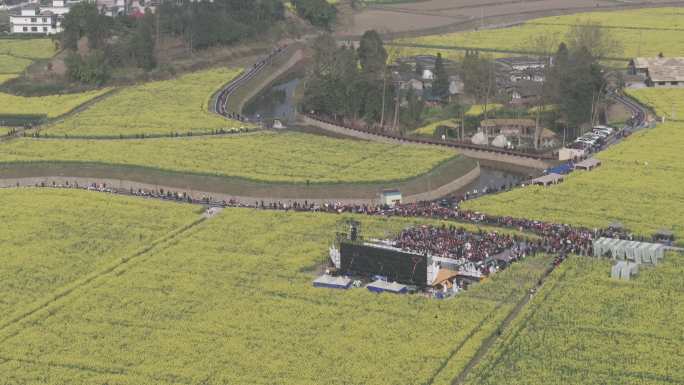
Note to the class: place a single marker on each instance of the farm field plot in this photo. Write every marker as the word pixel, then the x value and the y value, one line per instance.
pixel 50 238
pixel 52 106
pixel 265 156
pixel 12 65
pixel 644 32
pixel 231 301
pixel 664 101
pixel 631 333
pixel 157 108
pixel 638 185
pixel 17 54
pixel 28 48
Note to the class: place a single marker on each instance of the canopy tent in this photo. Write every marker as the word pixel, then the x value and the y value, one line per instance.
pixel 664 234
pixel 624 270
pixel 331 282
pixel 504 256
pixel 638 252
pixel 564 168
pixel 615 225
pixel 588 164
pixel 444 277
pixel 480 139
pixel 381 286
pixel 548 179
pixel 500 141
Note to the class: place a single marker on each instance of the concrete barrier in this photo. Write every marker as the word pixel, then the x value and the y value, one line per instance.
pixel 121 184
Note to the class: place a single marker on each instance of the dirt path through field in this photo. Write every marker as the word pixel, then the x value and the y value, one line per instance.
pixel 492 339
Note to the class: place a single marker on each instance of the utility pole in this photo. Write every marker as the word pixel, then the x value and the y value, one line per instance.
pixel 481 17
pixel 384 88
pixel 396 110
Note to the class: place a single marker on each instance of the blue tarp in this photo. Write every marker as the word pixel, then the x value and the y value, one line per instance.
pixel 563 169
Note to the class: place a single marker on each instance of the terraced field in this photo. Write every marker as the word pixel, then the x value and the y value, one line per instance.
pixel 266 156
pixel 584 327
pixel 177 106
pixel 644 32
pixel 200 309
pixel 638 184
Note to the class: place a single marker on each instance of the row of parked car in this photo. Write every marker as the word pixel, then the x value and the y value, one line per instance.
pixel 594 138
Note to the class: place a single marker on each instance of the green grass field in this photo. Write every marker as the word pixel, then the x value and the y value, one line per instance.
pixel 584 327
pixel 266 156
pixel 231 301
pixel 157 108
pixel 638 184
pixel 644 32
pixel 52 238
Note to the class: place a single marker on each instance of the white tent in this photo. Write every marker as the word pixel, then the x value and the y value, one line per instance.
pixel 480 139
pixel 638 252
pixel 500 141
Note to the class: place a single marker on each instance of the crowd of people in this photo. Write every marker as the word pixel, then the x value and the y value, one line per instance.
pixel 550 237
pixel 455 242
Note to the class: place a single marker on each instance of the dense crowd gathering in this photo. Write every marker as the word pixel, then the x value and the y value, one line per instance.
pixel 454 242
pixel 551 237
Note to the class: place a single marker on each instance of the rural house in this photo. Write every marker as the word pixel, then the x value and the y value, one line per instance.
pixel 659 71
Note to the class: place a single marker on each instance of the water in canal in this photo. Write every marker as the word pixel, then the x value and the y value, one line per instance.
pixel 276 102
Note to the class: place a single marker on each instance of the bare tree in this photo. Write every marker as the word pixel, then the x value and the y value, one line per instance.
pixel 594 38
pixel 545 45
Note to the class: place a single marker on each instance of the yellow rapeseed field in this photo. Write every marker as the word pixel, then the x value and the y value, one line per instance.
pixel 266 156
pixel 643 32
pixel 157 108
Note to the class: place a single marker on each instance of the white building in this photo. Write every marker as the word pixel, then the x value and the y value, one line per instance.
pixel 33 19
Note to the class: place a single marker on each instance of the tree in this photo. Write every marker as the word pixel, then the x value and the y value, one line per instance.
pixel 594 39
pixel 579 82
pixel 91 69
pixel 339 86
pixel 479 78
pixel 142 43
pixel 372 54
pixel 440 86
pixel 318 12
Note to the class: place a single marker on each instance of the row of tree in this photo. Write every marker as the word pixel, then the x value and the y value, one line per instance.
pixel 127 41
pixel 573 79
pixel 204 24
pixel 112 42
pixel 318 12
pixel 355 84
